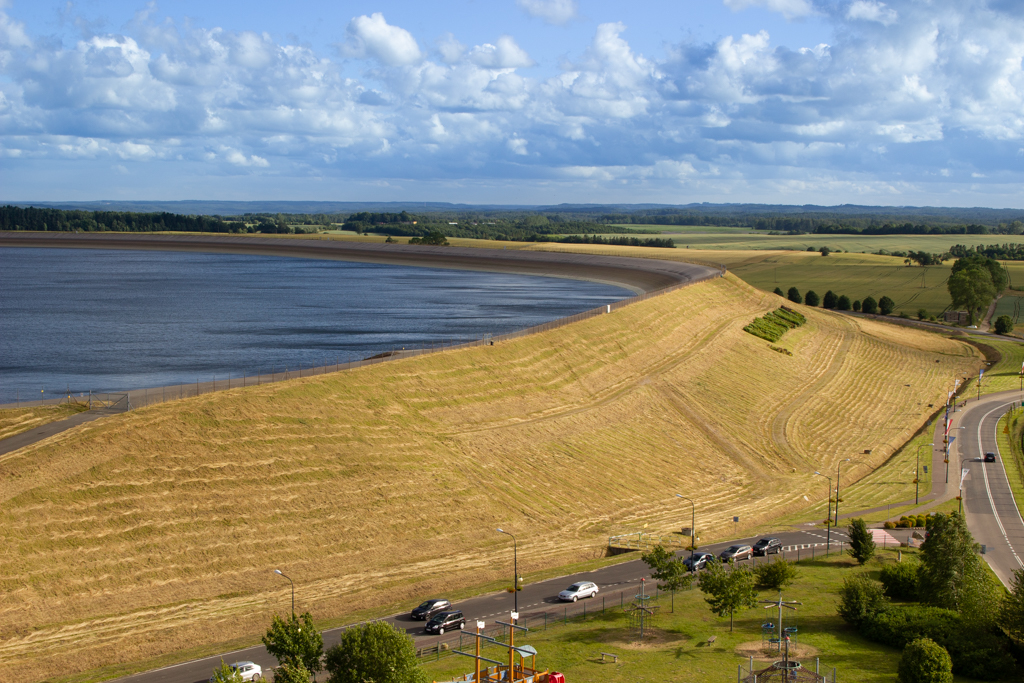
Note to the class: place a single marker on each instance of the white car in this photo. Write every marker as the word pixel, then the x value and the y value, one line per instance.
pixel 249 671
pixel 580 589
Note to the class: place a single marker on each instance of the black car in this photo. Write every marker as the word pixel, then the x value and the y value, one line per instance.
pixel 700 560
pixel 430 608
pixel 990 457
pixel 446 621
pixel 767 546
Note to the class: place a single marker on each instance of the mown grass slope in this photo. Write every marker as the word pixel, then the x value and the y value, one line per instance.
pixel 158 530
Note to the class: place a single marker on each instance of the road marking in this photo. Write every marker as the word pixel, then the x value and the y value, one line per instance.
pixel 988 489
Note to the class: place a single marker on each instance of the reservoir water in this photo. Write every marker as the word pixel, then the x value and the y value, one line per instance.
pixel 112 320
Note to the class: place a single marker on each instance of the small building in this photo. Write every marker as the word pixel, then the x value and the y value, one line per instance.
pixel 956 317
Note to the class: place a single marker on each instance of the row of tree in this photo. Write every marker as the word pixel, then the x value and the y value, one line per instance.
pixel 57 220
pixel 885 305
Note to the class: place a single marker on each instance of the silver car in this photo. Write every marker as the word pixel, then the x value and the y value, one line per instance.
pixel 580 589
pixel 249 671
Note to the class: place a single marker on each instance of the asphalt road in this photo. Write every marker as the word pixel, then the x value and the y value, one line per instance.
pixel 534 597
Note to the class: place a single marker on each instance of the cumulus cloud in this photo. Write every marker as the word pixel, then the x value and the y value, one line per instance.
pixel 552 11
pixel 505 55
pixel 788 8
pixel 372 36
pixel 871 10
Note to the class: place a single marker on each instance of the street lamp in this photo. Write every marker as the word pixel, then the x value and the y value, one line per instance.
pixel 693 525
pixel 838 468
pixel 515 568
pixel 278 571
pixel 917 471
pixel 828 520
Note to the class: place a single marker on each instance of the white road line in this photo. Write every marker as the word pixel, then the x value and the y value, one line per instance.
pixel 988 489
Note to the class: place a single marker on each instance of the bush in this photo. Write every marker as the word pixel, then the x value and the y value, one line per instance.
pixel 225 674
pixel 860 599
pixel 775 575
pixel 291 673
pixel 778 291
pixel 830 300
pixel 900 580
pixel 856 305
pixel 843 303
pixel 925 661
pixel 825 251
pixel 794 295
pixel 1004 324
pixel 889 525
pixel 922 314
pixel 869 306
pixel 812 298
pixel 886 305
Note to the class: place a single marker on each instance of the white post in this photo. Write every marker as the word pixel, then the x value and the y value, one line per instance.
pixel 609 308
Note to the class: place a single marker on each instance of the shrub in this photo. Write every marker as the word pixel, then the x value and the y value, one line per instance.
pixel 291 673
pixel 886 305
pixel 794 295
pixel 812 298
pixel 775 324
pixel 860 599
pixel 922 314
pixel 225 674
pixel 869 306
pixel 830 300
pixel 843 303
pixel 775 575
pixel 925 661
pixel 900 580
pixel 825 251
pixel 889 525
pixel 1004 324
pixel 778 291
pixel 856 305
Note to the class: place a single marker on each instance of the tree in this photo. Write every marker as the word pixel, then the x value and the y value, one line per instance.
pixel 922 313
pixel 999 277
pixel 869 305
pixel 668 570
pixel 843 303
pixel 825 251
pixel 778 291
pixel 434 237
pixel 860 598
pixel 794 295
pixel 862 544
pixel 376 652
pixel 225 674
pixel 886 305
pixel 951 574
pixel 295 642
pixel 1004 324
pixel 925 661
pixel 775 575
pixel 856 305
pixel 729 590
pixel 1011 609
pixel 972 289
pixel 812 298
pixel 830 300
pixel 291 673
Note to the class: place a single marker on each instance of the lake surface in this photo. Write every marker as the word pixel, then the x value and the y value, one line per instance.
pixel 112 320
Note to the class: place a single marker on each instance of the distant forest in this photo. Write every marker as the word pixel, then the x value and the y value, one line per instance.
pixel 58 220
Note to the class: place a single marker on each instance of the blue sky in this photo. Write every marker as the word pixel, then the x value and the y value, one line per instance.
pixel 905 102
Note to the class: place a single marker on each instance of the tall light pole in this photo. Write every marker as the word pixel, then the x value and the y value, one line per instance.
pixel 515 569
pixel 838 468
pixel 278 571
pixel 693 525
pixel 917 471
pixel 828 520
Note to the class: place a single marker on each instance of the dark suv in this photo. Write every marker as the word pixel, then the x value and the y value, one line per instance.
pixel 767 546
pixel 990 457
pixel 446 621
pixel 430 608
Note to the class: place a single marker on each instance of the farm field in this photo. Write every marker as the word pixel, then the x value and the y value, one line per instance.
pixel 155 531
pixel 678 649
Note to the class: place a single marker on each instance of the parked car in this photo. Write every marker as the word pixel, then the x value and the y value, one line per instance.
pixel 990 457
pixel 767 546
pixel 580 589
pixel 446 621
pixel 736 552
pixel 248 670
pixel 430 608
pixel 699 561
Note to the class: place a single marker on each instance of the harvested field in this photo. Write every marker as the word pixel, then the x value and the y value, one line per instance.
pixel 17 420
pixel 157 530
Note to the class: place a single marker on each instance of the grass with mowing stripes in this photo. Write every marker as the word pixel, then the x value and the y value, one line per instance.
pixel 17 420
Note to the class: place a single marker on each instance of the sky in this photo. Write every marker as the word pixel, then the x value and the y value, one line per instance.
pixel 905 102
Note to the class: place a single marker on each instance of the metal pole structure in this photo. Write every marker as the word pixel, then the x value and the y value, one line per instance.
pixel 278 571
pixel 515 569
pixel 693 526
pixel 828 520
pixel 917 472
pixel 838 470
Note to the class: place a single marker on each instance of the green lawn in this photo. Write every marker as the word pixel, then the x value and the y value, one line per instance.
pixel 678 650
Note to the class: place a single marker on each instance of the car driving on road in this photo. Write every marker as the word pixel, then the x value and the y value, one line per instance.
pixel 990 457
pixel 767 546
pixel 431 607
pixel 249 671
pixel 698 561
pixel 445 621
pixel 736 552
pixel 580 589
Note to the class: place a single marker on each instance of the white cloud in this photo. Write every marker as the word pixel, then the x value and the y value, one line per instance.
pixel 517 145
pixel 871 10
pixel 788 8
pixel 505 55
pixel 372 36
pixel 552 11
pixel 233 156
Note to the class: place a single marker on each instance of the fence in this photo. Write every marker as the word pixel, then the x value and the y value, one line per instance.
pixel 143 397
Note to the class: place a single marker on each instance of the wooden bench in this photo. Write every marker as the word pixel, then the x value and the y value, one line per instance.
pixel 711 641
pixel 608 654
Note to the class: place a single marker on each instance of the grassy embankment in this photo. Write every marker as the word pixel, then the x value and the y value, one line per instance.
pixel 17 420
pixel 155 531
pixel 678 649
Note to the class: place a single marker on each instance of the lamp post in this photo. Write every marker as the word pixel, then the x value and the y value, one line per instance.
pixel 515 568
pixel 917 471
pixel 278 571
pixel 693 525
pixel 838 468
pixel 828 520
